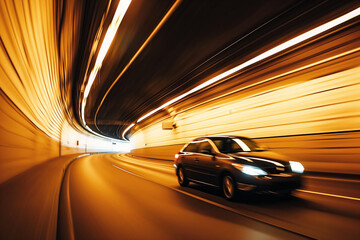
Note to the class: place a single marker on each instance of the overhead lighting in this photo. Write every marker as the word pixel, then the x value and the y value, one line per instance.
pixel 109 37
pixel 138 52
pixel 127 129
pixel 290 43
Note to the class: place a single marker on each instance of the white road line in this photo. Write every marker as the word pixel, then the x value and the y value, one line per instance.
pixel 215 204
pixel 333 179
pixel 144 163
pixel 82 155
pixel 219 205
pixel 299 190
pixel 127 171
pixel 329 195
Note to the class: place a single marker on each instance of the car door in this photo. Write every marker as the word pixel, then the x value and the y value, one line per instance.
pixel 188 160
pixel 206 164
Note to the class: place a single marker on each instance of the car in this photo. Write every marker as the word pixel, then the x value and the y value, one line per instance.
pixel 236 164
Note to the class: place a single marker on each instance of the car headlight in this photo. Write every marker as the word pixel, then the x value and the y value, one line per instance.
pixel 296 167
pixel 249 170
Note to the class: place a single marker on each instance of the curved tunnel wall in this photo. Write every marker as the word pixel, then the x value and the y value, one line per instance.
pixel 305 105
pixel 35 125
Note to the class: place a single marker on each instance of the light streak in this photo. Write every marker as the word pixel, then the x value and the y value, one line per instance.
pixel 109 37
pixel 127 129
pixel 290 43
pixel 150 37
pixel 328 194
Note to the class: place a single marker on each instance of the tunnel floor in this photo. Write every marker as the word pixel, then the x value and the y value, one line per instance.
pixel 108 196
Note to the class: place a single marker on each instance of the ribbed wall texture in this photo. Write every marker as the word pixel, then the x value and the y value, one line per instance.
pixel 305 104
pixel 36 58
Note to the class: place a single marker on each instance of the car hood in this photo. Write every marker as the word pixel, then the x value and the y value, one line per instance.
pixel 264 159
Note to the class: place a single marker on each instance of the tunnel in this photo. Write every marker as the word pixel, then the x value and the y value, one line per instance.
pixel 100 102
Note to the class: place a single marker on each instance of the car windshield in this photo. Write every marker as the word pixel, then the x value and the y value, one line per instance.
pixel 232 145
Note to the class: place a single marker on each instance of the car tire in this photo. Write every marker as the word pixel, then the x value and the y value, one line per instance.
pixel 228 187
pixel 181 176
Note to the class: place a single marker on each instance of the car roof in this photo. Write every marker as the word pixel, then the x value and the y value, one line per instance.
pixel 218 137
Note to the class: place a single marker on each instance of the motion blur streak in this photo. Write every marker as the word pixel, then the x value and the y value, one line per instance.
pixel 330 195
pixel 127 129
pixel 38 40
pixel 303 104
pixel 153 33
pixel 123 207
pixel 29 62
pixel 148 196
pixel 109 37
pixel 275 50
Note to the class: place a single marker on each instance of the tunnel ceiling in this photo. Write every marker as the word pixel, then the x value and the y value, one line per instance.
pixel 198 40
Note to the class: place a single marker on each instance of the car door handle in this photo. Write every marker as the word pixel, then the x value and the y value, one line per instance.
pixel 196 160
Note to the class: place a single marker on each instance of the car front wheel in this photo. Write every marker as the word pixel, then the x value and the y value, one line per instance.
pixel 228 187
pixel 182 177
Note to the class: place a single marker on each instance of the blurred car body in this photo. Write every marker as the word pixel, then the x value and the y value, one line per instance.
pixel 236 164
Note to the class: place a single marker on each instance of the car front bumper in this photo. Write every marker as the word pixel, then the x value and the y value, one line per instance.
pixel 270 183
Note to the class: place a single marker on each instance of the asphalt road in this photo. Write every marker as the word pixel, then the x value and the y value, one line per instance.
pixel 116 196
pixel 111 196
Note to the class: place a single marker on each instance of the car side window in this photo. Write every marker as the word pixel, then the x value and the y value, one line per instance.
pixel 220 144
pixel 192 147
pixel 205 145
pixel 234 147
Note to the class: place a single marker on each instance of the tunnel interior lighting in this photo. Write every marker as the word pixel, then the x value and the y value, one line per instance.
pixel 109 37
pixel 271 52
pixel 127 129
pixel 147 41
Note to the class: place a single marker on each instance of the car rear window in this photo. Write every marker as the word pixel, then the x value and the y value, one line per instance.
pixel 205 145
pixel 192 147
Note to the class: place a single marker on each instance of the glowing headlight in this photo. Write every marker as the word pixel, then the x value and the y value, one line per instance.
pixel 249 170
pixel 296 167
pixel 253 171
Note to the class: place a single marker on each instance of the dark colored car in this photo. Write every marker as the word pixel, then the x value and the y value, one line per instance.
pixel 236 164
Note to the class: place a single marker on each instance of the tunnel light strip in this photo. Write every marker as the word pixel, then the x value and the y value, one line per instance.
pixel 150 37
pixel 276 77
pixel 109 37
pixel 262 56
pixel 127 129
pixel 290 43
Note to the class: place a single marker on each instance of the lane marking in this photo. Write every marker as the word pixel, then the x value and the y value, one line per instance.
pixel 329 195
pixel 333 179
pixel 127 171
pixel 142 163
pixel 219 205
pixel 299 190
pixel 64 191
